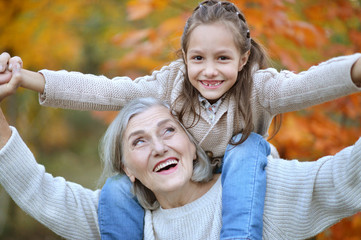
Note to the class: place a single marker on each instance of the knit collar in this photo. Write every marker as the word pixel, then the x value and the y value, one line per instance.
pixel 210 107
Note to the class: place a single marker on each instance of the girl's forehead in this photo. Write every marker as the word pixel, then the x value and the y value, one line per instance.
pixel 213 36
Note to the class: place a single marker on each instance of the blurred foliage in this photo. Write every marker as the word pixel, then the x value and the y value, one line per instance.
pixel 133 38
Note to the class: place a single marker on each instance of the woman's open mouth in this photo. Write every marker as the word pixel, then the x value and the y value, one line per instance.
pixel 165 165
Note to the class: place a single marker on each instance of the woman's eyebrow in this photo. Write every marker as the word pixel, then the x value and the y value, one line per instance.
pixel 135 133
pixel 160 123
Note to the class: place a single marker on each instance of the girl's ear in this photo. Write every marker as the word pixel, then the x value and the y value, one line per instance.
pixel 244 59
pixel 184 56
pixel 129 174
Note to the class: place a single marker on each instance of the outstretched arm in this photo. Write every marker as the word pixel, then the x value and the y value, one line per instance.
pixel 286 91
pixel 304 198
pixel 58 204
pixel 78 91
pixel 66 208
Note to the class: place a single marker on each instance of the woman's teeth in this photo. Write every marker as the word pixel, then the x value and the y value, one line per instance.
pixel 165 164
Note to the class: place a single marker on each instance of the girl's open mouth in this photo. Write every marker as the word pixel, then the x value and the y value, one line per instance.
pixel 211 83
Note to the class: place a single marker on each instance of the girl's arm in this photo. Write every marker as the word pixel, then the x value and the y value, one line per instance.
pixel 66 208
pixel 32 80
pixel 285 91
pixel 74 90
pixel 304 198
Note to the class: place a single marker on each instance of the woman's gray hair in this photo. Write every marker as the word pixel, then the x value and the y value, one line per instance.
pixel 111 151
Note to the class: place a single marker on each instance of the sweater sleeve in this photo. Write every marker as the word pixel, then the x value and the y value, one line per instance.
pixel 304 198
pixel 285 91
pixel 78 91
pixel 66 208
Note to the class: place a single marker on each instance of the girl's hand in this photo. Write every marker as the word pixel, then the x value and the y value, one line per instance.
pixel 356 73
pixel 10 78
pixel 7 65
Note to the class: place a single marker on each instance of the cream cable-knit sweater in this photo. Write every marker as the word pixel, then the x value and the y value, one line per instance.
pixel 273 93
pixel 302 199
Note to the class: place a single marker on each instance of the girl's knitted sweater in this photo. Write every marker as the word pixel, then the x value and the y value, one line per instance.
pixel 302 198
pixel 273 93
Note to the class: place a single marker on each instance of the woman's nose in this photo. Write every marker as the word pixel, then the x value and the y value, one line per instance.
pixel 159 148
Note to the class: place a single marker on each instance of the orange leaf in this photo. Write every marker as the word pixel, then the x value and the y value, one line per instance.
pixel 132 38
pixel 138 9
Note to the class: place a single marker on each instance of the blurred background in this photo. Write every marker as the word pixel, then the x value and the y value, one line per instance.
pixel 135 37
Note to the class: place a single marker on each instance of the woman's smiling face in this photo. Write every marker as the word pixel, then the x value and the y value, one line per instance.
pixel 157 151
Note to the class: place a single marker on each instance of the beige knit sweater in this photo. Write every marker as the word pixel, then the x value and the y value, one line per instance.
pixel 273 93
pixel 302 198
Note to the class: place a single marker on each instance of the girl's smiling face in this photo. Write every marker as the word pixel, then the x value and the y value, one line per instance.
pixel 213 60
pixel 157 151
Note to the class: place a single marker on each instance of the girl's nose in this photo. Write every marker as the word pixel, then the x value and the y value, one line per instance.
pixel 210 69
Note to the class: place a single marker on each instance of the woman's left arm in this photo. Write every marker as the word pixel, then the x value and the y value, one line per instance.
pixel 304 198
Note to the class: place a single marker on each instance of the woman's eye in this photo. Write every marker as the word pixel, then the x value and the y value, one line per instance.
pixel 169 130
pixel 137 142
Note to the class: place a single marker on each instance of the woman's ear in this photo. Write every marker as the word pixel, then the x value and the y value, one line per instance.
pixel 244 59
pixel 129 174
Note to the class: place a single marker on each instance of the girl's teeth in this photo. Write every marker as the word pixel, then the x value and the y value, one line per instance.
pixel 211 85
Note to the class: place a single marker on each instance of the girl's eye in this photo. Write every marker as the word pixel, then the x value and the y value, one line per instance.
pixel 198 58
pixel 223 58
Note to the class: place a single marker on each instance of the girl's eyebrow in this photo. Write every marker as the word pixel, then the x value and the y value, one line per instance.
pixel 199 51
pixel 194 51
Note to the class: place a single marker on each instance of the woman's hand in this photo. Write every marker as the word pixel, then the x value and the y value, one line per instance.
pixel 9 82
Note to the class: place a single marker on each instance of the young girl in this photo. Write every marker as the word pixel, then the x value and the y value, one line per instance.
pixel 219 88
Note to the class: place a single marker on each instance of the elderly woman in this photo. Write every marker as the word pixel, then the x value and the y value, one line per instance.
pixel 172 179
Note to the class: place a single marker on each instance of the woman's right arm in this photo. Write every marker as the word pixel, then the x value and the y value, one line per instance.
pixel 66 208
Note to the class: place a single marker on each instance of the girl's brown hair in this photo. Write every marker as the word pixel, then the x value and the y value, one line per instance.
pixel 209 12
